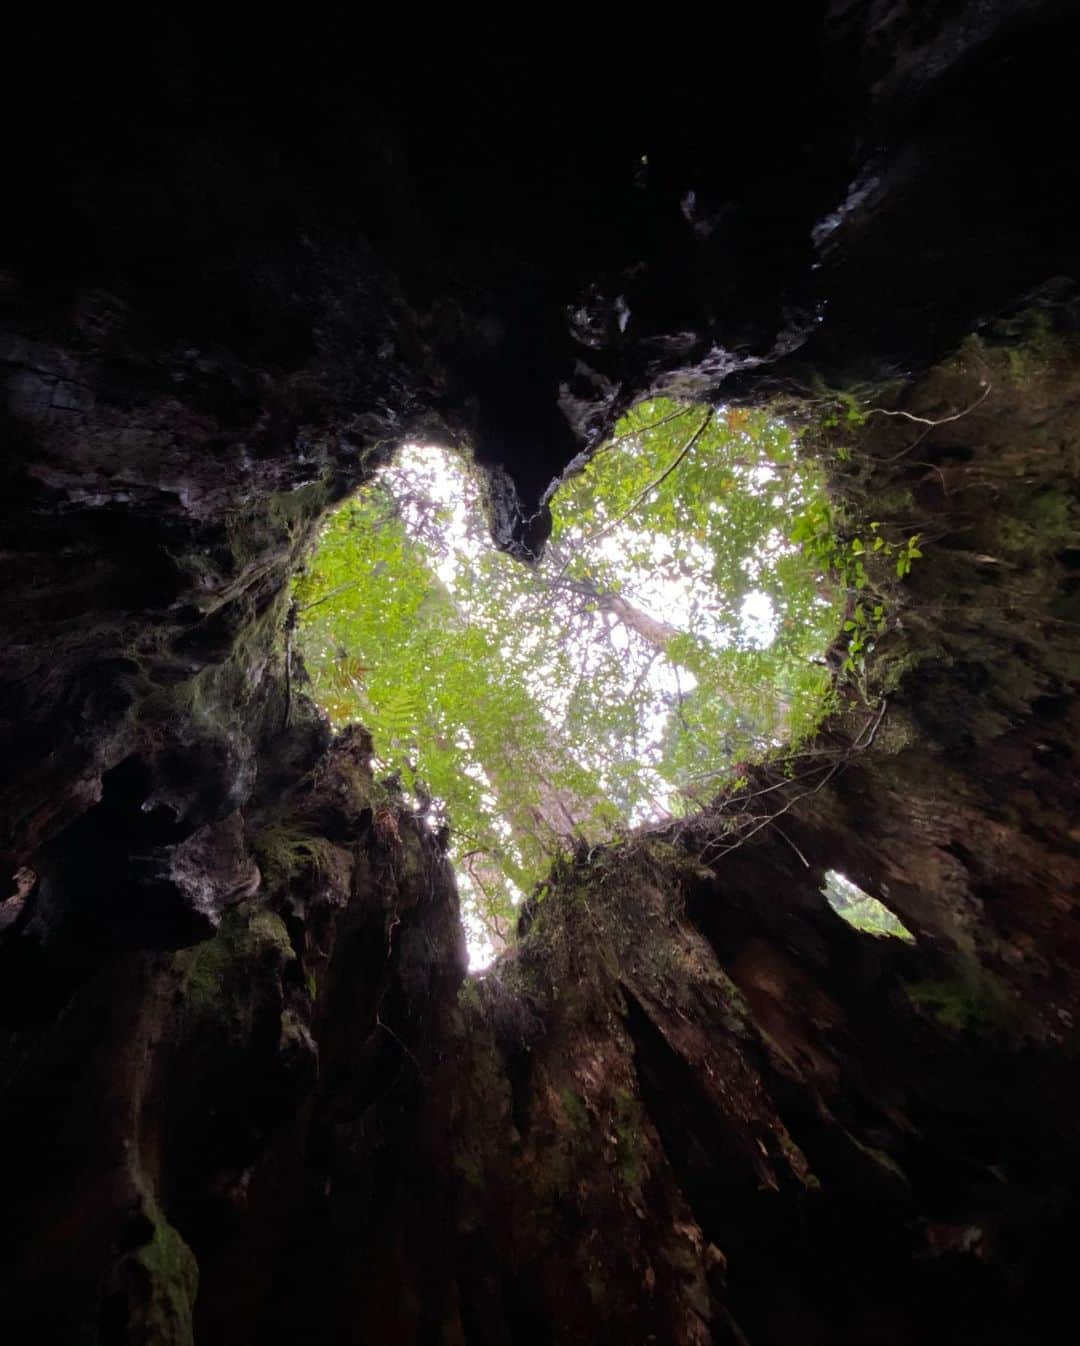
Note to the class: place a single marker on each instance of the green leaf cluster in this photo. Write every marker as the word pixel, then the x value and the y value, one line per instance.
pixel 822 539
pixel 673 629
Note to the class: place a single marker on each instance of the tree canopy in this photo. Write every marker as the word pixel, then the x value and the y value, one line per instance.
pixel 669 633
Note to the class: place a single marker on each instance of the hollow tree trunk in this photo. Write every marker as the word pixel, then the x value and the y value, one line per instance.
pixel 248 1093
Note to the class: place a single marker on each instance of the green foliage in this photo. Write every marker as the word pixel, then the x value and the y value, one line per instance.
pixel 673 629
pixel 861 910
pixel 846 411
pixel 829 545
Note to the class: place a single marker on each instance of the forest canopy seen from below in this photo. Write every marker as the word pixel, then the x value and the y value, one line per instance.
pixel 672 632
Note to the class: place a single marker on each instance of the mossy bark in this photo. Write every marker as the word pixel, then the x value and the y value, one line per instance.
pixel 692 1105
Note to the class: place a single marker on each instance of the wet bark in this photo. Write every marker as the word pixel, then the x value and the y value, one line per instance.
pixel 248 1092
pixel 690 1105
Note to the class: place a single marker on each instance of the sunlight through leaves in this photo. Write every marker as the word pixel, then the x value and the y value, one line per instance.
pixel 670 634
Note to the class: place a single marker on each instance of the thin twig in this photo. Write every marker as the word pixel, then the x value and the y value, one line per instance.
pixel 341 588
pixel 868 731
pixel 403 1045
pixel 795 848
pixel 643 494
pixel 659 481
pixel 290 626
pixel 641 429
pixel 923 420
pixel 926 420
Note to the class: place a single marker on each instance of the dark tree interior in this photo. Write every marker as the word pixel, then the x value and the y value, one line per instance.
pixel 249 1095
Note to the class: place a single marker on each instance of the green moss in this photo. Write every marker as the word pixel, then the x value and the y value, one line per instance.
pixel 285 850
pixel 889 1169
pixel 205 968
pixel 411 862
pixel 278 521
pixel 471 1169
pixel 636 859
pixel 266 928
pixel 574 1108
pixel 1033 344
pixel 246 933
pixel 971 1000
pixel 469 996
pixel 898 730
pixel 627 1135
pixel 212 702
pixel 1038 524
pixel 173 1275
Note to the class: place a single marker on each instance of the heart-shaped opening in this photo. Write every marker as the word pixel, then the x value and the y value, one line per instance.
pixel 672 632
